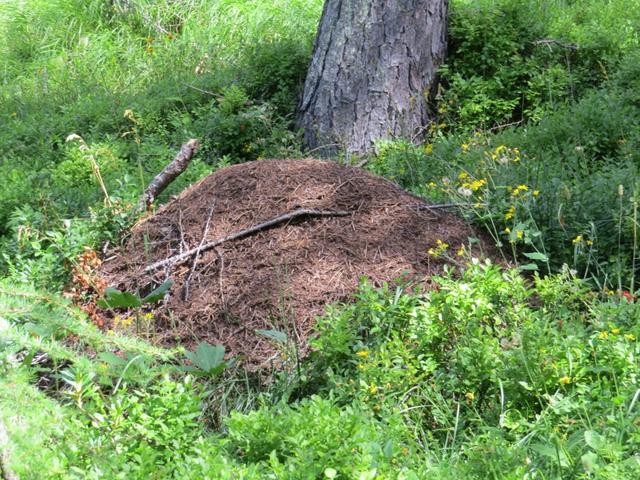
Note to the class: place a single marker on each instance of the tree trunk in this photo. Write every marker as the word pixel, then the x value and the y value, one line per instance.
pixel 374 65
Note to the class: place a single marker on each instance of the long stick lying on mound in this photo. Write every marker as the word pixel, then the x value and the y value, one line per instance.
pixel 301 212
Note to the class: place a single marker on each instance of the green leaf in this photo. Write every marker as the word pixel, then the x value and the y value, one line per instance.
pixel 276 335
pixel 112 359
pixel 594 440
pixel 536 256
pixel 207 358
pixel 330 472
pixel 388 450
pixel 589 462
pixel 528 266
pixel 159 293
pixel 114 298
pixel 552 453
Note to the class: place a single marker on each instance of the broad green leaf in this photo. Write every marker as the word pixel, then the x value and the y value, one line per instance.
pixel 528 266
pixel 330 472
pixel 114 298
pixel 207 358
pixel 536 256
pixel 388 450
pixel 159 293
pixel 552 453
pixel 594 440
pixel 276 335
pixel 112 359
pixel 589 462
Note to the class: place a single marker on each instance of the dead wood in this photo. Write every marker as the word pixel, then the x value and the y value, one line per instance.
pixel 170 173
pixel 301 212
pixel 185 289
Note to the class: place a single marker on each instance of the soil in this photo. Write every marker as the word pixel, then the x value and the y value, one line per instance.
pixel 282 277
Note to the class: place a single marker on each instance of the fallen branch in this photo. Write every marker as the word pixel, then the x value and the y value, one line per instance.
pixel 301 212
pixel 170 173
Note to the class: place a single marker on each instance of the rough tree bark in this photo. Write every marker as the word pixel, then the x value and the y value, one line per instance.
pixel 374 65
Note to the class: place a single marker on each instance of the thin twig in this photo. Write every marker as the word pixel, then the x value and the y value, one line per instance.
pixel 183 244
pixel 552 41
pixel 301 212
pixel 442 205
pixel 505 125
pixel 185 290
pixel 206 92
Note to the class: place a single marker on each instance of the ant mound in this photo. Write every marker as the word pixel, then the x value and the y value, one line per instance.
pixel 266 245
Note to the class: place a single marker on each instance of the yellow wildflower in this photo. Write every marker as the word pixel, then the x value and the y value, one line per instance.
pixel 363 353
pixel 510 212
pixel 461 251
pixel 564 380
pixel 441 247
pixel 615 331
pixel 536 193
pixel 432 185
pixel 518 189
pixel 373 389
pixel 465 147
pixel 589 242
pixel 428 148
pixel 519 234
pixel 603 335
pixel 507 230
pixel 630 336
pixel 577 240
pixel 463 175
pixel 470 396
pixel 477 184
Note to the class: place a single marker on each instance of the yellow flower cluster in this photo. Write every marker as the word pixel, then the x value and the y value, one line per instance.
pixel 468 184
pixel 519 189
pixel 441 247
pixel 510 213
pixel 123 322
pixel 580 239
pixel 503 154
pixel 603 335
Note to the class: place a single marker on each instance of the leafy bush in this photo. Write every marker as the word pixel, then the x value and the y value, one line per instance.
pixel 514 60
pixel 503 386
